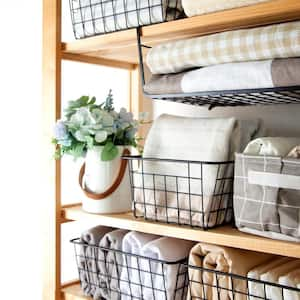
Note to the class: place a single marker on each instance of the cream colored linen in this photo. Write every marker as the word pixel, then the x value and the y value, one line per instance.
pixel 273 275
pixel 267 42
pixel 256 290
pixel 194 139
pixel 200 7
pixel 224 259
pixel 272 146
pixel 291 279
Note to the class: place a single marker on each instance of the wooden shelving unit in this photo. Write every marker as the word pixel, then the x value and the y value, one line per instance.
pixel 119 50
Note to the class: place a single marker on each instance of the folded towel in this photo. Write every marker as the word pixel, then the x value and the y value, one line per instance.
pixel 267 42
pixel 194 139
pixel 131 282
pixel 292 279
pixel 161 281
pixel 273 275
pixel 89 256
pixel 196 8
pixel 257 290
pixel 110 263
pixel 272 146
pixel 222 259
pixel 295 152
pixel 230 76
pixel 109 16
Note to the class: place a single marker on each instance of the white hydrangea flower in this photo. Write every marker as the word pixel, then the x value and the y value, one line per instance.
pixel 100 136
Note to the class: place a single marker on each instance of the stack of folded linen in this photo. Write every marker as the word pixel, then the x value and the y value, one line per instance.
pixel 195 8
pixel 266 192
pixel 283 271
pixel 191 139
pixel 108 16
pixel 216 286
pixel 263 57
pixel 153 274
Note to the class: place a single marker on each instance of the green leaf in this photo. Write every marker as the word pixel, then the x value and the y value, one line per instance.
pixel 109 152
pixel 90 142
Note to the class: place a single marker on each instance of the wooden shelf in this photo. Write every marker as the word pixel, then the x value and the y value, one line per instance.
pixel 121 46
pixel 225 236
pixel 73 292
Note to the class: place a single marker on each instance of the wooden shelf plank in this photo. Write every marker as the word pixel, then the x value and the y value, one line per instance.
pixel 121 46
pixel 225 236
pixel 73 292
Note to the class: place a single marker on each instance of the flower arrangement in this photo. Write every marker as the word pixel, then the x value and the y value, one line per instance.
pixel 87 124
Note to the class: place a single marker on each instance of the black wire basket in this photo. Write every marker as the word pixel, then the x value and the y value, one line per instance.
pixel 95 17
pixel 112 274
pixel 259 96
pixel 206 284
pixel 198 194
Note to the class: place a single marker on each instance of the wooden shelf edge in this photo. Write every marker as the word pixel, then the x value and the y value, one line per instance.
pixel 224 236
pixel 73 291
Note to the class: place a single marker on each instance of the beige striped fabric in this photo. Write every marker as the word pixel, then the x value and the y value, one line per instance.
pixel 267 42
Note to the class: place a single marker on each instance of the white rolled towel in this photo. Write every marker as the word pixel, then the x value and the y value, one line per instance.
pixel 161 279
pixel 273 146
pixel 131 279
pixel 256 290
pixel 272 292
pixel 291 279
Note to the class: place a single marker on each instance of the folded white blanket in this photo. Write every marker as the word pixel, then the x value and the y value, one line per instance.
pixel 90 280
pixel 110 16
pixel 256 290
pixel 194 139
pixel 273 275
pixel 200 7
pixel 164 283
pixel 131 278
pixel 291 279
pixel 273 146
pixel 110 263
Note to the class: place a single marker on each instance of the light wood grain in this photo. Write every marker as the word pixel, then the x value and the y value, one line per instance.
pixel 51 169
pixel 122 45
pixel 73 292
pixel 226 235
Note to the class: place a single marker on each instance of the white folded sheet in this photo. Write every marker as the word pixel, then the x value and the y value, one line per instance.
pixel 291 279
pixel 164 276
pixel 194 139
pixel 131 278
pixel 273 146
pixel 273 275
pixel 110 16
pixel 200 7
pixel 256 290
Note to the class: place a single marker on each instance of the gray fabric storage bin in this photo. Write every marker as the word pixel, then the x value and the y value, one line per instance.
pixel 267 196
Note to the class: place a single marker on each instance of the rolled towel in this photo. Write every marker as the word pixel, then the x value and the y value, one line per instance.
pixel 291 279
pixel 110 264
pixel 224 259
pixel 210 140
pixel 273 275
pixel 295 152
pixel 131 282
pixel 89 256
pixel 272 146
pixel 229 76
pixel 256 289
pixel 260 43
pixel 196 8
pixel 162 280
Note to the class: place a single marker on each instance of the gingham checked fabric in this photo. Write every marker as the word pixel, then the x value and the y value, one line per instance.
pixel 275 41
pixel 266 209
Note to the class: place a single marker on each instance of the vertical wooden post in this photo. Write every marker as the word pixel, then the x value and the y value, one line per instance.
pixel 51 169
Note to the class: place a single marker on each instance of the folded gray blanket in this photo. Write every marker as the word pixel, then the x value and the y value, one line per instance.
pixel 88 273
pixel 230 76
